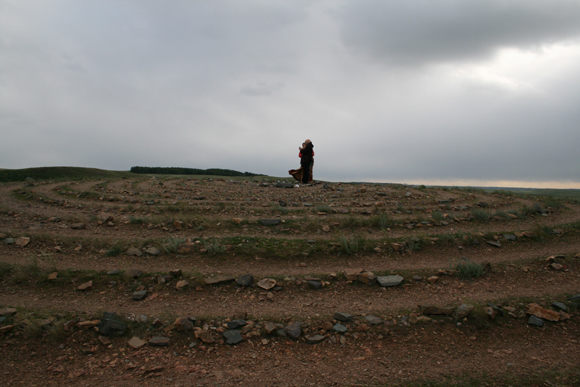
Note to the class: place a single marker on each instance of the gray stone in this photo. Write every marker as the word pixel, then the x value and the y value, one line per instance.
pixel 338 327
pixel 270 328
pixel 86 286
pixel 245 280
pixel 267 283
pixel 111 325
pixel 535 321
pixel 284 185
pixel 159 341
pixel 270 222
pixel 133 251
pixel 316 285
pixel 559 306
pixel 315 339
pixel 294 330
pixel 373 320
pixel 510 237
pixel 8 312
pixel 417 278
pixel 206 337
pixel 133 273
pixel 183 324
pixel 463 311
pixel 344 317
pixel 235 324
pixel 180 285
pixel 45 324
pixel 113 272
pixel 496 308
pixel 153 251
pixel 390 280
pixel 22 241
pixel 218 280
pixel 136 342
pixel 494 244
pixel 9 241
pixel 233 337
pixel 575 299
pixel 139 295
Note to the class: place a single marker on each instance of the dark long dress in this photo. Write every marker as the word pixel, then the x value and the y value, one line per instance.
pixel 298 174
pixel 307 162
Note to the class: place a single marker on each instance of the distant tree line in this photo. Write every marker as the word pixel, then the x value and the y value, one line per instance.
pixel 49 173
pixel 191 171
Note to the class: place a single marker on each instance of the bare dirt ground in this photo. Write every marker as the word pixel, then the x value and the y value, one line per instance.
pixel 213 228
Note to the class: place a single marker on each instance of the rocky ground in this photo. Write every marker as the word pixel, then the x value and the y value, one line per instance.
pixel 185 281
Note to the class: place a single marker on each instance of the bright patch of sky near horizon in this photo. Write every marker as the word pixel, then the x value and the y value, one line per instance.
pixel 471 93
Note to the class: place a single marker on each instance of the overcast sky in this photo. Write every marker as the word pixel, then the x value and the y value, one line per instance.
pixel 482 92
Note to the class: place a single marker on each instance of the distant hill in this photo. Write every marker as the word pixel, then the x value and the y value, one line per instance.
pixel 76 173
pixel 191 171
pixel 50 173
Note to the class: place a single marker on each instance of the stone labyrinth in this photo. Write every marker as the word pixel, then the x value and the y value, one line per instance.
pixel 187 281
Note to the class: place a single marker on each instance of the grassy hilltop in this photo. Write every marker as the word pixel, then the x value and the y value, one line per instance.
pixel 78 173
pixel 75 173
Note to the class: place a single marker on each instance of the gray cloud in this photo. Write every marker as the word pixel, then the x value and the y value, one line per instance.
pixel 261 88
pixel 478 91
pixel 418 32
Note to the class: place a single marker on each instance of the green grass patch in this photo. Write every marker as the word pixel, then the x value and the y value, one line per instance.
pixel 171 245
pixel 351 245
pixel 480 215
pixel 382 221
pixel 137 220
pixel 437 216
pixel 6 270
pixel 554 203
pixel 114 251
pixel 468 270
pixel 324 208
pixel 414 244
pixel 23 194
pixel 280 209
pixel 501 214
pixel 446 238
pixel 214 246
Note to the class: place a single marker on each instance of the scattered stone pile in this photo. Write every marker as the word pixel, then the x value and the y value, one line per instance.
pixel 342 327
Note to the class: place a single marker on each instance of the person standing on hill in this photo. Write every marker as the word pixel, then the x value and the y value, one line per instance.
pixel 307 161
